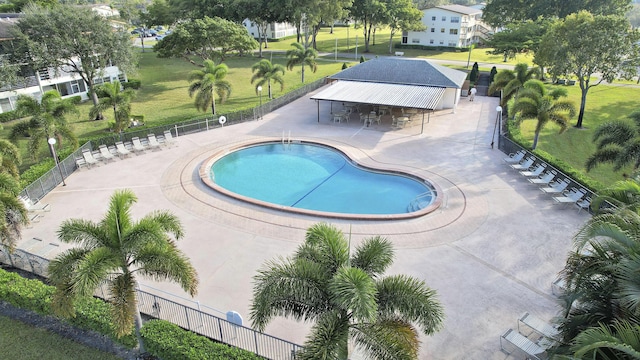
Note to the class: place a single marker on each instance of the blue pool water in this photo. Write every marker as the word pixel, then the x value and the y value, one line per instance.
pixel 315 177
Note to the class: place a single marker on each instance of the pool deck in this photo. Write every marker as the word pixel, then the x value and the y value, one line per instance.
pixel 491 251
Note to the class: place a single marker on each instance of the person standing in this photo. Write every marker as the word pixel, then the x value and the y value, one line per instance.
pixel 472 93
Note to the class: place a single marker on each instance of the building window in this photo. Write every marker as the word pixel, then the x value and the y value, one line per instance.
pixel 441 42
pixel 453 31
pixel 415 41
pixel 455 19
pixel 433 29
pixel 452 44
pixel 431 41
pixel 444 18
pixel 404 39
pixel 442 30
pixel 433 18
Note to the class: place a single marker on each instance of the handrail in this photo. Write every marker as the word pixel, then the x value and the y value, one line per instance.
pixel 415 201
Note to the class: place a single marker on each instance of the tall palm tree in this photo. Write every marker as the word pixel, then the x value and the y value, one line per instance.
pixel 510 81
pixel 114 251
pixel 620 341
pixel 13 214
pixel 48 119
pixel 347 297
pixel 264 71
pixel 112 96
pixel 301 56
pixel 207 82
pixel 617 143
pixel 9 158
pixel 536 102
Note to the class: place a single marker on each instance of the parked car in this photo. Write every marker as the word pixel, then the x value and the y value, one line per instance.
pixel 159 28
pixel 159 37
pixel 136 32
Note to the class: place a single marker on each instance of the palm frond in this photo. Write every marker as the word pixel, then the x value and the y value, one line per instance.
pixel 328 339
pixel 123 303
pixel 352 289
pixel 166 262
pixel 373 256
pixel 387 339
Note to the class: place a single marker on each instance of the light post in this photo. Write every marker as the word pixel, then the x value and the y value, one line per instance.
pixel 52 142
pixel 495 127
pixel 260 94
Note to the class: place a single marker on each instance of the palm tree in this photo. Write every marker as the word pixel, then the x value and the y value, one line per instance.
pixel 510 81
pixel 301 56
pixel 617 143
pixel 206 82
pixel 622 194
pixel 9 158
pixel 620 341
pixel 112 96
pixel 265 71
pixel 13 214
pixel 536 102
pixel 48 119
pixel 347 297
pixel 115 250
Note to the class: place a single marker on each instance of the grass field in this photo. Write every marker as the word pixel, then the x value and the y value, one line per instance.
pixel 26 342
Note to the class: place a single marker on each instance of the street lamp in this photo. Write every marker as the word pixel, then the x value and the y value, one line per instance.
pixel 260 94
pixel 495 127
pixel 52 142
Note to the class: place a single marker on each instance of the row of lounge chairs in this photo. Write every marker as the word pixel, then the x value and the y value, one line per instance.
pixel 538 173
pixel 533 337
pixel 121 149
pixel 35 209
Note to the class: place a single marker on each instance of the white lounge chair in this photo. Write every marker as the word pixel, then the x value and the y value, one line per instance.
pixel 122 151
pixel 545 179
pixel 570 197
pixel 106 154
pixel 557 187
pixel 584 204
pixel 540 327
pixel 535 172
pixel 88 158
pixel 137 145
pixel 153 142
pixel 528 347
pixel 515 158
pixel 32 206
pixel 168 139
pixel 525 165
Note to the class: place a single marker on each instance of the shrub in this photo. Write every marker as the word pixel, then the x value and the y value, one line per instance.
pixel 132 84
pixel 20 129
pixel 37 170
pixel 168 341
pixel 362 59
pixel 75 100
pixel 91 313
pixel 344 66
pixel 9 116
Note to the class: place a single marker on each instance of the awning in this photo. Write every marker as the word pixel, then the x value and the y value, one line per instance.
pixel 407 96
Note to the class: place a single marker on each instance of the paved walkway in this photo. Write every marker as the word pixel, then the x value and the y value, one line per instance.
pixel 491 251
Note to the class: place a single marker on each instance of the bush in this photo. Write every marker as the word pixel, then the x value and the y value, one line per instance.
pixel 344 66
pixel 75 100
pixel 168 341
pixel 37 170
pixel 434 48
pixel 362 59
pixel 132 84
pixel 91 313
pixel 9 116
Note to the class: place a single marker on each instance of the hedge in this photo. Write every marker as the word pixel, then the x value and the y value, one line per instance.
pixel 132 84
pixel 171 342
pixel 91 313
pixel 9 116
pixel 434 48
pixel 35 171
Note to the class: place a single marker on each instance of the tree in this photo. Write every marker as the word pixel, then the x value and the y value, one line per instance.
pixel 369 13
pixel 499 13
pixel 75 39
pixel 199 9
pixel 48 120
pixel 584 45
pixel 260 13
pixel 206 83
pixel 114 251
pixel 402 15
pixel 159 13
pixel 536 102
pixel 617 143
pixel 510 81
pixel 13 214
pixel 9 158
pixel 207 38
pixel 301 56
pixel 111 96
pixel 619 341
pixel 8 72
pixel 347 297
pixel 622 194
pixel 517 38
pixel 264 71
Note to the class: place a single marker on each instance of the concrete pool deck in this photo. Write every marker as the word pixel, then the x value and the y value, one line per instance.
pixel 491 251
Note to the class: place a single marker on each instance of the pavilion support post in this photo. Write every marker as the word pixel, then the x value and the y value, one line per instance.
pixel 422 129
pixel 318 105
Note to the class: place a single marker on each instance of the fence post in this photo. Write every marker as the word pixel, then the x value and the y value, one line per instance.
pixel 255 337
pixel 220 327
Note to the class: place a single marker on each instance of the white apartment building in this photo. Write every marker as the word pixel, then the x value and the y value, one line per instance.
pixel 449 25
pixel 274 30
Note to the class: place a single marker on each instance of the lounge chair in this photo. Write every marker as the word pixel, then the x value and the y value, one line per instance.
pixel 153 142
pixel 88 158
pixel 137 145
pixel 106 154
pixel 570 197
pixel 122 151
pixel 539 326
pixel 80 162
pixel 584 204
pixel 535 172
pixel 525 165
pixel 531 349
pixel 545 179
pixel 33 206
pixel 556 187
pixel 515 158
pixel 168 139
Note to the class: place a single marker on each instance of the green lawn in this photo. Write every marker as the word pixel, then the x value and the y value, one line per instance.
pixel 21 341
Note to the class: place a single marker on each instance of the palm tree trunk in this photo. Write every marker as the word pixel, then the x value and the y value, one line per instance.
pixel 535 140
pixel 303 73
pixel 138 326
pixel 269 87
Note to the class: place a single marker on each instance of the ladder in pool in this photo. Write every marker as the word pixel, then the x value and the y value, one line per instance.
pixel 416 203
pixel 286 141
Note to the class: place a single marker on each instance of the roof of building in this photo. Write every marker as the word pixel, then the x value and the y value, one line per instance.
pixel 7 20
pixel 396 70
pixel 461 9
pixel 406 96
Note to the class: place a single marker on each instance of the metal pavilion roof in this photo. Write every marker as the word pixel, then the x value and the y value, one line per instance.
pixel 407 96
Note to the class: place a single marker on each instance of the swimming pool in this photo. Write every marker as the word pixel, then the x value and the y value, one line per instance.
pixel 314 178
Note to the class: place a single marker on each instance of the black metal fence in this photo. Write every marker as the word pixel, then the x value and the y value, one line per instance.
pixel 187 317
